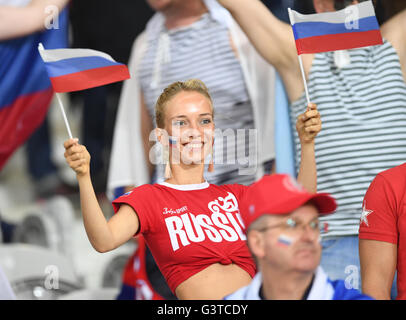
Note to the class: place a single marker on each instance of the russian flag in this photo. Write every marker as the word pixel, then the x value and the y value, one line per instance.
pixel 25 89
pixel 284 240
pixel 79 69
pixel 353 27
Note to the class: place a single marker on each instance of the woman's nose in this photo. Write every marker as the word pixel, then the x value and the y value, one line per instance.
pixel 192 132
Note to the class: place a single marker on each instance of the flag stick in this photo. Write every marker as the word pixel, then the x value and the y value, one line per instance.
pixel 65 119
pixel 300 60
pixel 304 78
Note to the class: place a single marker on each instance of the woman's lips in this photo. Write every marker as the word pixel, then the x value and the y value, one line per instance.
pixel 193 145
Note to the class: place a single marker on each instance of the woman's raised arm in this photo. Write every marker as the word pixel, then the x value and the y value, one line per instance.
pixel 103 235
pixel 271 37
pixel 308 125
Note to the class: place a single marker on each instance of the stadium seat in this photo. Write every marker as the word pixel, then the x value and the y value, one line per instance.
pixel 47 224
pixel 37 273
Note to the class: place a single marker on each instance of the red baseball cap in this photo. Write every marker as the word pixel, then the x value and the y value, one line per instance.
pixel 280 194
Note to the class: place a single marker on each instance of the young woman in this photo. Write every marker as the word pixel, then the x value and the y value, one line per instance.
pixel 193 228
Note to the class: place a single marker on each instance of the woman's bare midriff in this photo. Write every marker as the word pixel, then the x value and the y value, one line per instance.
pixel 213 282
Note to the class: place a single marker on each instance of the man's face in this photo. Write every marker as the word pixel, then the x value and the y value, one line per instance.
pixel 290 242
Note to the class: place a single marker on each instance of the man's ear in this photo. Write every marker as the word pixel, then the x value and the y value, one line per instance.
pixel 256 243
pixel 321 6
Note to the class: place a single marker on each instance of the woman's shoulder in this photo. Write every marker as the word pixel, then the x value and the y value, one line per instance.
pixel 148 187
pixel 237 189
pixel 140 198
pixel 140 192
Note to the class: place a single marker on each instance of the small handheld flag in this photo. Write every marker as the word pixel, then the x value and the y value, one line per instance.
pixel 353 27
pixel 79 69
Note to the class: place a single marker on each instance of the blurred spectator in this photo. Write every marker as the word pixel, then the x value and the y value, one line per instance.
pixel 381 233
pixel 32 15
pixel 25 92
pixel 109 27
pixel 282 222
pixel 361 96
pixel 22 81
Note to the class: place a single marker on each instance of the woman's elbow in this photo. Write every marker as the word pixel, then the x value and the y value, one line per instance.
pixel 102 248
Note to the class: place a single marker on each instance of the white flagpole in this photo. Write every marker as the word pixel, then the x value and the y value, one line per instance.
pixel 292 21
pixel 304 79
pixel 65 119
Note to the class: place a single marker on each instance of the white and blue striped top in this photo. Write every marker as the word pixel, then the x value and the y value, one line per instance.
pixel 363 112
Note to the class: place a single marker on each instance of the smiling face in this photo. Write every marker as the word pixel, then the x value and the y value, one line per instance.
pixel 288 242
pixel 188 120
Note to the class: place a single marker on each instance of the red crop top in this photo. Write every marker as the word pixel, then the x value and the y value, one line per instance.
pixel 190 227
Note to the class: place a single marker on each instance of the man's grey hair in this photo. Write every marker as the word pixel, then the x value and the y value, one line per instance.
pixel 258 223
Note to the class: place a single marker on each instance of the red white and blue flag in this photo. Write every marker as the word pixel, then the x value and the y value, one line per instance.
pixel 353 27
pixel 25 89
pixel 79 69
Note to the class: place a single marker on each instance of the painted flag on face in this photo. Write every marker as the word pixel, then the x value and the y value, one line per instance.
pixel 80 69
pixel 284 240
pixel 353 27
pixel 173 141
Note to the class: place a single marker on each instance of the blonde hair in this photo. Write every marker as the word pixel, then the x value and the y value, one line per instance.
pixel 172 90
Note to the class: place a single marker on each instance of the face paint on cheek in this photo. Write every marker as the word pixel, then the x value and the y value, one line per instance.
pixel 284 241
pixel 173 141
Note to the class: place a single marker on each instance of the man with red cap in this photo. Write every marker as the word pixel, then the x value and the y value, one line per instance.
pixel 282 226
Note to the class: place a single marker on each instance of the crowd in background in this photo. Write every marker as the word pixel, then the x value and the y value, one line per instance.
pixel 113 28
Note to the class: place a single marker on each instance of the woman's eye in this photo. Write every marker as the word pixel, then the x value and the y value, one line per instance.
pixel 206 121
pixel 179 123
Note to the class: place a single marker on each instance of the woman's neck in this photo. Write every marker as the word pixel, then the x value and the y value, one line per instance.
pixel 186 174
pixel 183 13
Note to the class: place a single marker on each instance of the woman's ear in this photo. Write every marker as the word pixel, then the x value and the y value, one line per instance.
pixel 162 136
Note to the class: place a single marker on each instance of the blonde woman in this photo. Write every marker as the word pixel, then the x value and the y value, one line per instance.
pixel 193 228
